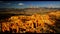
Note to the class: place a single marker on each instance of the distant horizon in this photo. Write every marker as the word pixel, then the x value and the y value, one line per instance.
pixel 35 7
pixel 29 4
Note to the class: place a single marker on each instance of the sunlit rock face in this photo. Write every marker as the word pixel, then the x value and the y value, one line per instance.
pixel 34 24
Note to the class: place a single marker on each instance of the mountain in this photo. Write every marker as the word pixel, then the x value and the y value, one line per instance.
pixel 39 10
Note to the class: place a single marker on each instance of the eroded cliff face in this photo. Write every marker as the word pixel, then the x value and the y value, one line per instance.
pixel 35 23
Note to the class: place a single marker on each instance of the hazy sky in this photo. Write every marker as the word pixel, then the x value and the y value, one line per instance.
pixel 26 4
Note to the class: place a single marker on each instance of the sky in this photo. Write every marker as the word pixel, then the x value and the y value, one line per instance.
pixel 27 4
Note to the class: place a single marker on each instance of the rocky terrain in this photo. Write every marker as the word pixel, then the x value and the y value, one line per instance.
pixel 30 20
pixel 36 23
